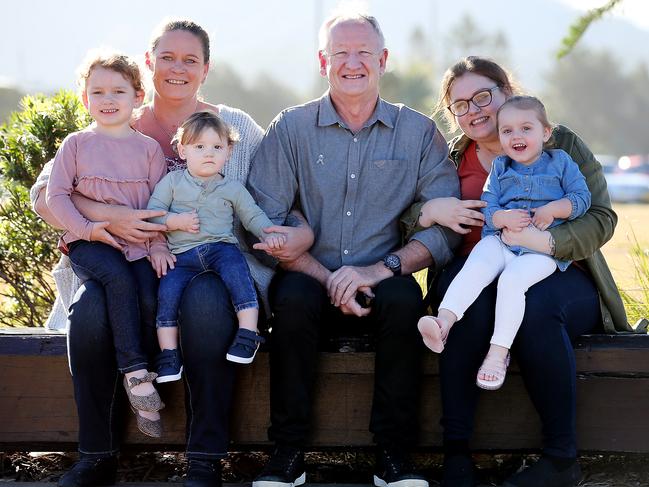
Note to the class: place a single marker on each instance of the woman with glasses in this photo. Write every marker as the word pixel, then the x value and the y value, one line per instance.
pixel 558 309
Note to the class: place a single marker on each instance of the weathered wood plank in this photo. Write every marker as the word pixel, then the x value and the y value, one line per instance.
pixel 37 406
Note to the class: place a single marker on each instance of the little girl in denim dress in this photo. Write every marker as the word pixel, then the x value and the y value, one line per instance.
pixel 526 186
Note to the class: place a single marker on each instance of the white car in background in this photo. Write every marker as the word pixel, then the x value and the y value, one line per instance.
pixel 628 180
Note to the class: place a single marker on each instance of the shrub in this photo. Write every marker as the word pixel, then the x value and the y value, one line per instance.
pixel 27 245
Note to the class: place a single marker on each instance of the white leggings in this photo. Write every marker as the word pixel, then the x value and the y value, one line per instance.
pixel 489 259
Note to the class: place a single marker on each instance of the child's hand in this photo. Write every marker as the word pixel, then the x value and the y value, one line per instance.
pixel 543 217
pixel 514 220
pixel 100 234
pixel 161 260
pixel 186 222
pixel 275 240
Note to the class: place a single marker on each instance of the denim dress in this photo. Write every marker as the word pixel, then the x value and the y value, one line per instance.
pixel 512 186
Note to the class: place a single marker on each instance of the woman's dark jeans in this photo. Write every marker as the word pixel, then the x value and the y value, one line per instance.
pixel 130 292
pixel 207 327
pixel 557 310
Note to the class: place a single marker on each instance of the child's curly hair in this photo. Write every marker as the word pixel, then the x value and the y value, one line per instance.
pixel 113 61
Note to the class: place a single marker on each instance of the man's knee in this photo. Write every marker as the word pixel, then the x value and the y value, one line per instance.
pixel 296 293
pixel 401 295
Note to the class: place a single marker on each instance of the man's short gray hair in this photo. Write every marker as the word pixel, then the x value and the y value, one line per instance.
pixel 343 16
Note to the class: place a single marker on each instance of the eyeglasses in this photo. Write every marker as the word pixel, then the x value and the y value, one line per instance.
pixel 480 99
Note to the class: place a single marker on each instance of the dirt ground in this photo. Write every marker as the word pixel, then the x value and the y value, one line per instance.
pixel 322 467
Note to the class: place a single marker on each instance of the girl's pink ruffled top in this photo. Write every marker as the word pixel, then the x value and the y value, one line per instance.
pixel 115 171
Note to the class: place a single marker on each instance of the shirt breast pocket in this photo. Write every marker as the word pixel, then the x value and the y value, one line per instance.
pixel 388 178
pixel 549 188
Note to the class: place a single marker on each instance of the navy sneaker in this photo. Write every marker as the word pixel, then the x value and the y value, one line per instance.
pixel 91 471
pixel 284 469
pixel 169 365
pixel 244 347
pixel 394 470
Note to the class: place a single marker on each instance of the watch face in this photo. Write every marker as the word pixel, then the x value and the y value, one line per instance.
pixel 392 261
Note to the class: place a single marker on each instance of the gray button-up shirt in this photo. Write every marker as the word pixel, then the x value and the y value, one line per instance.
pixel 352 188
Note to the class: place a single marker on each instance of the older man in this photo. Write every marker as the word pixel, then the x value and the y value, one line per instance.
pixel 352 163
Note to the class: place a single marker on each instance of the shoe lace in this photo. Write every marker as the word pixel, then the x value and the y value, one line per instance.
pixel 204 466
pixel 282 460
pixel 395 462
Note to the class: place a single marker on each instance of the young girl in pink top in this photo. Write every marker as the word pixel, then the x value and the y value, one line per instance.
pixel 111 163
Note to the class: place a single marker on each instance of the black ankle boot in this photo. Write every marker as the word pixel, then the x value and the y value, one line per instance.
pixel 545 473
pixel 459 471
pixel 91 471
pixel 203 473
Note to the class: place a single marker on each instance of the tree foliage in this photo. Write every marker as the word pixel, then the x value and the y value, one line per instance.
pixel 582 92
pixel 27 245
pixel 579 27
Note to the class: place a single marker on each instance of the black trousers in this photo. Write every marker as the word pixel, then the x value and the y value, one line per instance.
pixel 304 316
pixel 558 309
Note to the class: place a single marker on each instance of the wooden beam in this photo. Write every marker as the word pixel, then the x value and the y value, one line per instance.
pixel 38 411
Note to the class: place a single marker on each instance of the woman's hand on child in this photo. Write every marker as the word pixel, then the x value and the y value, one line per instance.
pixel 514 220
pixel 161 261
pixel 186 222
pixel 274 240
pixel 452 213
pixel 100 234
pixel 131 225
pixel 530 237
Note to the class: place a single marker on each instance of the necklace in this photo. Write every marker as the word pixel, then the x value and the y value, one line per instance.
pixel 162 127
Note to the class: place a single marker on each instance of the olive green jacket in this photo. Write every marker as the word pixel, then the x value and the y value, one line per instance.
pixel 580 239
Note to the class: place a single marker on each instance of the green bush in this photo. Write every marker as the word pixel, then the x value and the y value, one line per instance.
pixel 27 245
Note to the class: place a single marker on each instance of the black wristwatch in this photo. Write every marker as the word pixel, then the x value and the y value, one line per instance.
pixel 393 262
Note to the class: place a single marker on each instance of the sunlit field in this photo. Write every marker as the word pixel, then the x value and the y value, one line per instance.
pixel 632 220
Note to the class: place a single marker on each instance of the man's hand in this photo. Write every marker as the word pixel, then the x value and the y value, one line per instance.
pixel 298 241
pixel 186 222
pixel 161 260
pixel 99 234
pixel 514 220
pixel 343 284
pixel 131 225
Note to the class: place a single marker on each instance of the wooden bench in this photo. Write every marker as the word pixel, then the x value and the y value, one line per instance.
pixel 37 408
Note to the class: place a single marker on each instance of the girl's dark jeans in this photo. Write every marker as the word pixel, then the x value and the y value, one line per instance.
pixel 207 327
pixel 131 295
pixel 557 310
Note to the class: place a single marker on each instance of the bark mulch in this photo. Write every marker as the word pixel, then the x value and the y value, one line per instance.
pixel 354 467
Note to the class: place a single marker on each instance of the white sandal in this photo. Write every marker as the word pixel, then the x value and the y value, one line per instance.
pixel 498 369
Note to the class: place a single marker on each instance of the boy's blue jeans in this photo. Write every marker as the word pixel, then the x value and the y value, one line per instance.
pixel 223 258
pixel 130 296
